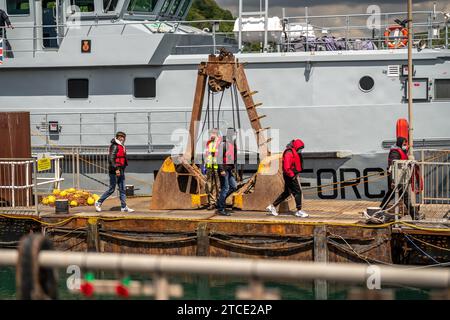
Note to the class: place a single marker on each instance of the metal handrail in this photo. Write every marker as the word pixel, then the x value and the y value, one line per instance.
pixel 188 22
pixel 360 15
pixel 248 268
pixel 150 123
pixel 177 24
pixel 20 181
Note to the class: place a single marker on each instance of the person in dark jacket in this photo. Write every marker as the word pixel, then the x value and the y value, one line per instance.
pixel 4 22
pixel 117 163
pixel 226 166
pixel 399 151
pixel 292 166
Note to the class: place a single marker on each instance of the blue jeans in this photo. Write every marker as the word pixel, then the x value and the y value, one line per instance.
pixel 227 186
pixel 120 181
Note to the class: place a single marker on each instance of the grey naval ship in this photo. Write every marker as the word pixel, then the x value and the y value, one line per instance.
pixel 87 68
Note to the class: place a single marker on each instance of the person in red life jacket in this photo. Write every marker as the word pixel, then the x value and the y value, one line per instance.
pixel 399 151
pixel 292 166
pixel 226 165
pixel 117 159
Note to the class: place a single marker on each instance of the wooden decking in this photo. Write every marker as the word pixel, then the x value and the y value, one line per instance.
pixel 436 212
pixel 347 212
pixel 320 211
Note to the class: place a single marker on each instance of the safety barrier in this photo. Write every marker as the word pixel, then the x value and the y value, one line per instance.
pixel 436 184
pixel 147 132
pixel 423 184
pixel 21 180
pixel 81 167
pixel 430 26
pixel 434 155
pixel 354 29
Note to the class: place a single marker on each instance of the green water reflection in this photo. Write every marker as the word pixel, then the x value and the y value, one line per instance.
pixel 202 287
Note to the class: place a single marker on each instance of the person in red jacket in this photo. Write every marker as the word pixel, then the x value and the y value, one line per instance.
pixel 226 165
pixel 292 166
pixel 399 151
pixel 117 159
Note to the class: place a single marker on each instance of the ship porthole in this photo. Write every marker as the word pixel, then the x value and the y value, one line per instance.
pixel 366 83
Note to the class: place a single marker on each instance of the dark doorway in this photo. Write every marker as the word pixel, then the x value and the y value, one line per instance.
pixel 49 29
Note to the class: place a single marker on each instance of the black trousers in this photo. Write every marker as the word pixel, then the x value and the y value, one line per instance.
pixel 291 186
pixel 406 200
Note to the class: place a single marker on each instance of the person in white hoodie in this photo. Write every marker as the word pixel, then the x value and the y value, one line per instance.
pixel 117 163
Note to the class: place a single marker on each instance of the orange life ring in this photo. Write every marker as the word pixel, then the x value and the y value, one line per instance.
pixel 393 44
pixel 402 128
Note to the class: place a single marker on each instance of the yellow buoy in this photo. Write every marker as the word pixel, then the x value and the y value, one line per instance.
pixel 56 191
pixel 90 201
pixel 73 203
pixel 45 201
pixel 51 199
pixel 63 193
pixel 96 197
pixel 71 190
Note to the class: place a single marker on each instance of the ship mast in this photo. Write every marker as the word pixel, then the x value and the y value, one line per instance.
pixel 410 82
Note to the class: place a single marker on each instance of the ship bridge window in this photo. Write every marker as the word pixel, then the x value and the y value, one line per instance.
pixel 184 7
pixel 17 7
pixel 109 5
pixel 442 89
pixel 84 5
pixel 174 7
pixel 142 5
pixel 144 87
pixel 78 88
pixel 366 83
pixel 165 6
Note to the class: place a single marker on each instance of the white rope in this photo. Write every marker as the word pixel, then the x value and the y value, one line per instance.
pixel 410 172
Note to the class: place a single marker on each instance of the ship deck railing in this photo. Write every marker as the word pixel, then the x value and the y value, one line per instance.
pixel 429 178
pixel 21 180
pixel 430 30
pixel 148 129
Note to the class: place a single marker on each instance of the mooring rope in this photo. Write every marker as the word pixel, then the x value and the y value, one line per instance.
pixel 272 248
pixel 430 244
pixel 149 241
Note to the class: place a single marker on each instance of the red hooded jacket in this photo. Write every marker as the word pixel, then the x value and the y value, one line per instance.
pixel 292 162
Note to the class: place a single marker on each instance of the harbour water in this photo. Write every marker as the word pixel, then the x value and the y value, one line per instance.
pixel 215 289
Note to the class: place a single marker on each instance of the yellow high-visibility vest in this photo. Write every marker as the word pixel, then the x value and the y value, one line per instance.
pixel 211 154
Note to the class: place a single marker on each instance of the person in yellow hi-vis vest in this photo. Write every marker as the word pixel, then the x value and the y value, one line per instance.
pixel 211 164
pixel 212 146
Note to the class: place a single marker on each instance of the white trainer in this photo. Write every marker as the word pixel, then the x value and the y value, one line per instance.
pixel 301 214
pixel 98 206
pixel 272 210
pixel 126 209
